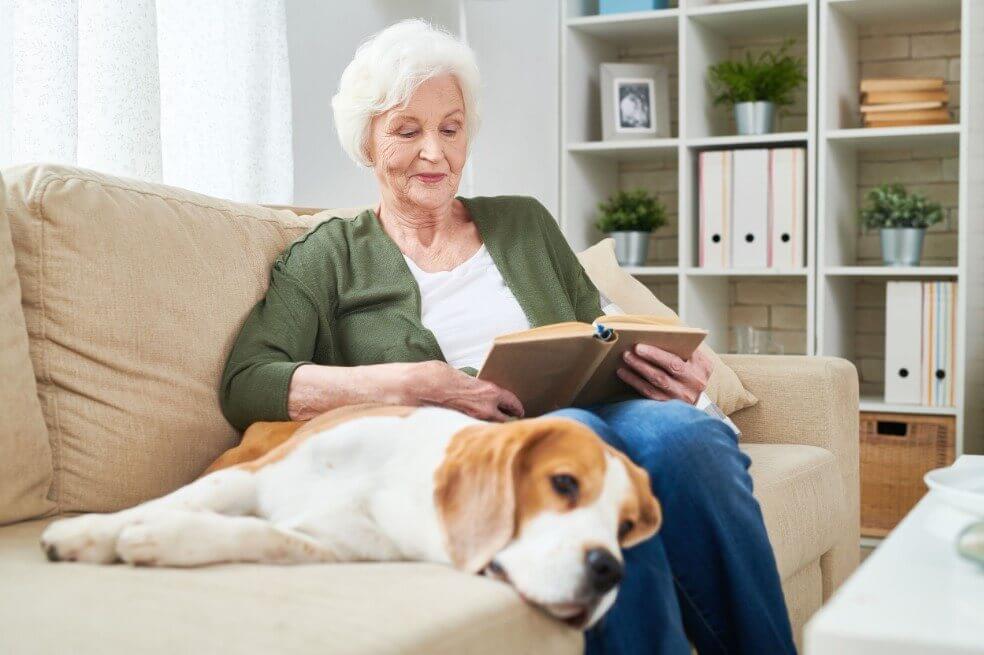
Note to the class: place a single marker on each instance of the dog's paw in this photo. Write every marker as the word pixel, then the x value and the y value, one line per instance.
pixel 87 538
pixel 164 539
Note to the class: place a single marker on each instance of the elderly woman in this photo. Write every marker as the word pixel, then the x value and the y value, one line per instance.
pixel 400 304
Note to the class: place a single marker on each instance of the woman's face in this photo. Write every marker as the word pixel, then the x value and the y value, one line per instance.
pixel 427 137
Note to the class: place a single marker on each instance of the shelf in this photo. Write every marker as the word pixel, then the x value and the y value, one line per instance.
pixel 635 150
pixel 746 272
pixel 875 404
pixel 891 271
pixel 753 18
pixel 749 140
pixel 892 138
pixel 651 271
pixel 871 12
pixel 629 26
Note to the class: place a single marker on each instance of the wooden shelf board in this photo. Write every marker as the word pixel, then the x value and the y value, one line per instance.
pixel 892 138
pixel 891 271
pixel 870 12
pixel 629 26
pixel 876 404
pixel 746 272
pixel 635 150
pixel 753 18
pixel 651 271
pixel 738 140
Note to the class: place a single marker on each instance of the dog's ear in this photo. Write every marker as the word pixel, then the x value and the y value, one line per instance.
pixel 475 488
pixel 645 511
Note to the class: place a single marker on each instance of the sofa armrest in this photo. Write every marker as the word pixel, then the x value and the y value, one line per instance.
pixel 811 401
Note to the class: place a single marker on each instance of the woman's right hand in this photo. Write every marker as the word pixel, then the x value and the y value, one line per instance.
pixel 438 383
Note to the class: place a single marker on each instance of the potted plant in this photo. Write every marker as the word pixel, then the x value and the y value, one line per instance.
pixel 756 86
pixel 629 217
pixel 902 218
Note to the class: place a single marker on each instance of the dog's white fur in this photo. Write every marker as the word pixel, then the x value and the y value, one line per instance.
pixel 361 490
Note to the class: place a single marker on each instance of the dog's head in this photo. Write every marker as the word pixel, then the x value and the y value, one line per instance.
pixel 545 505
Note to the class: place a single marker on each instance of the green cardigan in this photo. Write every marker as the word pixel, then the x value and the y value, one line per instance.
pixel 342 295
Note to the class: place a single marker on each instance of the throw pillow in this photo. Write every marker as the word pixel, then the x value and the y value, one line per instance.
pixel 633 297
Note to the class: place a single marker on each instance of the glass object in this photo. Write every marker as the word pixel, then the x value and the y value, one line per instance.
pixel 756 341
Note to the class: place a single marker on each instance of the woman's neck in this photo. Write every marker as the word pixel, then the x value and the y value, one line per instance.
pixel 436 239
pixel 422 227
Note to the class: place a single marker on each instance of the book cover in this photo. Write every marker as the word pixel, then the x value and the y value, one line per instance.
pixel 893 108
pixel 917 115
pixel 574 363
pixel 901 84
pixel 886 97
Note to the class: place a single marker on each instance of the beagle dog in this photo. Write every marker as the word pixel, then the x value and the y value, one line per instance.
pixel 542 504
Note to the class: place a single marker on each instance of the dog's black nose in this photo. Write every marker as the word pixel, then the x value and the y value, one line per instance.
pixel 604 571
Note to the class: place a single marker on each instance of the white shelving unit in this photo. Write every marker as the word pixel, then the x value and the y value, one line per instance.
pixel 701 33
pixel 841 141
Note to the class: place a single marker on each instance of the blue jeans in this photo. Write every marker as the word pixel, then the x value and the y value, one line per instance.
pixel 709 573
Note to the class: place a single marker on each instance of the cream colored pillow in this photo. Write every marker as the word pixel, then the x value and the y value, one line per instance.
pixel 25 456
pixel 633 297
pixel 133 294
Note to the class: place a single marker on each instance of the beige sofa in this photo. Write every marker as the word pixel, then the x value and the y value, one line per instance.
pixel 119 300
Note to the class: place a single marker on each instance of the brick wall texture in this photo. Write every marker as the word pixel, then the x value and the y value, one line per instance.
pixel 896 50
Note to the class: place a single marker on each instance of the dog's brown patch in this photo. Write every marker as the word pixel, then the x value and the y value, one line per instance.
pixel 641 508
pixel 496 477
pixel 265 442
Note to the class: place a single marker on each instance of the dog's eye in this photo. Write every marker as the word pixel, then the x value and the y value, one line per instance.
pixel 565 485
pixel 624 528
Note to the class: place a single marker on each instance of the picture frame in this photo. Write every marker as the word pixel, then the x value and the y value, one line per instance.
pixel 635 101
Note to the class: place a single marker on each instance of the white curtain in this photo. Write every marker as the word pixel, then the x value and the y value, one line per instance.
pixel 190 93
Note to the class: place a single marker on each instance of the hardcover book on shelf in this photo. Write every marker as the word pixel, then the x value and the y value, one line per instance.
pixel 892 97
pixel 873 84
pixel 873 110
pixel 899 102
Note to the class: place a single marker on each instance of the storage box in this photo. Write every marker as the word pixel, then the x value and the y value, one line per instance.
pixel 896 451
pixel 620 6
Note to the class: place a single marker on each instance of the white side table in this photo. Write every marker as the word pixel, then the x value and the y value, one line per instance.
pixel 913 594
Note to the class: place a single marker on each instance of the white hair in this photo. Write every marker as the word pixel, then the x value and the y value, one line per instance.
pixel 387 69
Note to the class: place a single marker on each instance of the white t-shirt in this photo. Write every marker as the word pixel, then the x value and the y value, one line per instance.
pixel 467 307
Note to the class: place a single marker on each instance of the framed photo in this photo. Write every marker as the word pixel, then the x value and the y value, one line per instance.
pixel 635 102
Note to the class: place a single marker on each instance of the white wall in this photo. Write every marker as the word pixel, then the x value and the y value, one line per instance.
pixel 516 151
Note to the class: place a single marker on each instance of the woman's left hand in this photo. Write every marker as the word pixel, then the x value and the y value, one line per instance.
pixel 660 375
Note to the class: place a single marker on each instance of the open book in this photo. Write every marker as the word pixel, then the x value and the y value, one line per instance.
pixel 574 363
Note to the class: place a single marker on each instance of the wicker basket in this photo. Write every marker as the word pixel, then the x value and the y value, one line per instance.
pixel 896 451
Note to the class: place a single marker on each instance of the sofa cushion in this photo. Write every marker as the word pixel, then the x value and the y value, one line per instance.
pixel 800 492
pixel 633 297
pixel 321 608
pixel 25 457
pixel 133 293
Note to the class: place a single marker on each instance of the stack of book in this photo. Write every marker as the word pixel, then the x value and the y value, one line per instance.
pixel 752 208
pixel 920 342
pixel 891 102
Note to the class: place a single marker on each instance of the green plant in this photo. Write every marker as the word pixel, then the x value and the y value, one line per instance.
pixel 890 205
pixel 770 77
pixel 628 211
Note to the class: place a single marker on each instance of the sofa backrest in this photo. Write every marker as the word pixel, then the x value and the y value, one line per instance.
pixel 25 456
pixel 132 296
